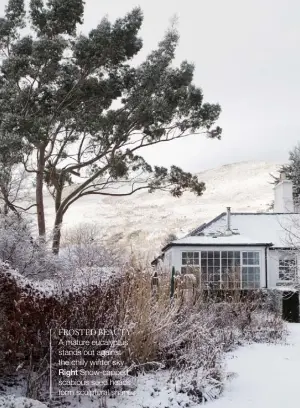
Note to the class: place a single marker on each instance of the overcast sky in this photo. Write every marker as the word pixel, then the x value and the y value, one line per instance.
pixel 247 58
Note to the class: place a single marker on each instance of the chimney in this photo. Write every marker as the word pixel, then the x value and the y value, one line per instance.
pixel 228 227
pixel 283 195
pixel 228 219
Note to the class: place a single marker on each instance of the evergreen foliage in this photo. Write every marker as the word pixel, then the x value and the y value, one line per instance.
pixel 77 107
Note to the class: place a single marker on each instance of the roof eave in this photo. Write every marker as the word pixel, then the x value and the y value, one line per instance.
pixel 285 248
pixel 218 244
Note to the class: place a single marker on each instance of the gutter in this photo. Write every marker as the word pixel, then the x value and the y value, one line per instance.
pixel 174 244
pixel 266 266
pixel 284 248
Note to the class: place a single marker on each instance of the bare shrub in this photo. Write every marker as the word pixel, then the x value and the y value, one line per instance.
pixel 84 246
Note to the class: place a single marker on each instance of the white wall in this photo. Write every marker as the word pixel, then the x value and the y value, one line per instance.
pixel 273 270
pixel 168 262
pixel 176 251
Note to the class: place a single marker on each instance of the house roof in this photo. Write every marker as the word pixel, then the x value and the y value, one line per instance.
pixel 219 240
pixel 281 230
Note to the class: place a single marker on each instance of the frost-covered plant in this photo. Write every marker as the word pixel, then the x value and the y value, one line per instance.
pixel 183 335
pixel 22 252
pixel 84 246
pixel 11 401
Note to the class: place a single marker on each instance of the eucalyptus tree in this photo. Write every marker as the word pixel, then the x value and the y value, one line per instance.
pixel 84 113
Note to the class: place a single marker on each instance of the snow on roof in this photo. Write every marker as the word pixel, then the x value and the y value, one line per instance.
pixel 280 230
pixel 283 230
pixel 218 240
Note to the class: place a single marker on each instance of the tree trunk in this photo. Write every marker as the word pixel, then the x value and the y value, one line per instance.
pixel 58 218
pixel 39 192
pixel 57 233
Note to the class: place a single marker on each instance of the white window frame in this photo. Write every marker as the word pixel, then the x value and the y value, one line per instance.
pixel 192 263
pixel 287 258
pixel 253 268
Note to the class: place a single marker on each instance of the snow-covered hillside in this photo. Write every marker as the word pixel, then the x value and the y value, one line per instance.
pixel 142 221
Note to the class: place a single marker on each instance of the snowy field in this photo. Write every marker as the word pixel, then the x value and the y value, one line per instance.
pixel 142 221
pixel 267 376
pixel 259 376
pixel 262 376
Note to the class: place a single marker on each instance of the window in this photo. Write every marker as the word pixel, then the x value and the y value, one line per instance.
pixel 224 269
pixel 210 269
pixel 287 268
pixel 231 269
pixel 250 270
pixel 190 262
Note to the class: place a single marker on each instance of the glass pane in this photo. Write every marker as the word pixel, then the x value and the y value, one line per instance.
pixel 184 261
pixel 184 254
pixel 237 262
pixel 230 254
pixel 203 254
pixel 250 259
pixel 224 255
pixel 216 262
pixel 196 255
pixel 217 255
pixel 230 262
pixel 203 262
pixel 190 254
pixel 244 271
pixel 210 254
pixel 196 261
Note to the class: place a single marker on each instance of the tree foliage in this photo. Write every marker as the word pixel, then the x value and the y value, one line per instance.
pixel 292 172
pixel 82 112
pixel 12 176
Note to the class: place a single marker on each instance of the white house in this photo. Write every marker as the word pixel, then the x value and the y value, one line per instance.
pixel 243 250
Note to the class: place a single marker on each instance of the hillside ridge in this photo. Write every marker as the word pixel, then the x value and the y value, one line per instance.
pixel 142 221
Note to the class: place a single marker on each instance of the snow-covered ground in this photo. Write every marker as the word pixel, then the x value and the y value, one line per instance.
pixel 267 375
pixel 20 402
pixel 142 221
pixel 261 376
